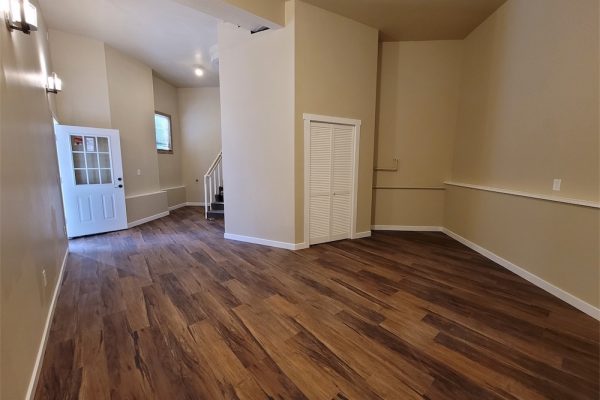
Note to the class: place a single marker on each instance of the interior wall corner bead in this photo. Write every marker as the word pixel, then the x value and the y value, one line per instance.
pixel 393 169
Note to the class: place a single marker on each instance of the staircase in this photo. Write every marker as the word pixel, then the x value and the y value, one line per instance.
pixel 214 200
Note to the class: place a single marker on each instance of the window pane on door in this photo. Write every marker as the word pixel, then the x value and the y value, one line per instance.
pixel 93 176
pixel 76 143
pixel 106 175
pixel 104 159
pixel 80 177
pixel 78 160
pixel 90 144
pixel 91 160
pixel 103 144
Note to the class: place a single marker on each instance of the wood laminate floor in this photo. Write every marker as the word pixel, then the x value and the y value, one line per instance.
pixel 171 310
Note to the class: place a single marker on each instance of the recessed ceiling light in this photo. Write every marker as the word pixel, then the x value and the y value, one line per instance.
pixel 198 71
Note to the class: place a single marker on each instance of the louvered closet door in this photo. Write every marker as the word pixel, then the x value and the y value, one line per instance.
pixel 330 185
pixel 320 182
pixel 342 154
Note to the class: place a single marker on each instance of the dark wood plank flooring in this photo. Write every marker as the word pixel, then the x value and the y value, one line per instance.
pixel 171 310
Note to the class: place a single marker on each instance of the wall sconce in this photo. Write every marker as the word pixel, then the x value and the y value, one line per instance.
pixel 54 84
pixel 20 15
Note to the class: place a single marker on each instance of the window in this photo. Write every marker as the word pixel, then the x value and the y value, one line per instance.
pixel 162 128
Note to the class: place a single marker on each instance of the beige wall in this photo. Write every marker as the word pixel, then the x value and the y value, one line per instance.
pixel 106 88
pixel 80 62
pixel 176 196
pixel 528 114
pixel 200 114
pixel 130 89
pixel 557 242
pixel 336 75
pixel 170 173
pixel 418 92
pixel 257 121
pixel 31 230
pixel 529 99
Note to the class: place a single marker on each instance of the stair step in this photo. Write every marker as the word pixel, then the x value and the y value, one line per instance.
pixel 216 214
pixel 217 205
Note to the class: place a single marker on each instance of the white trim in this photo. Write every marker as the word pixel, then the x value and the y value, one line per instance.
pixel 173 188
pixel 265 242
pixel 186 204
pixel 558 199
pixel 46 333
pixel 360 235
pixel 414 228
pixel 536 280
pixel 147 219
pixel 308 118
pixel 135 196
pixel 331 120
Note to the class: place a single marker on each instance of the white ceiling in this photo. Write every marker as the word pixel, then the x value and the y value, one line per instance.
pixel 168 36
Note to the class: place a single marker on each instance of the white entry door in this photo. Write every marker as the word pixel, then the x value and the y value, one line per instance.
pixel 91 175
pixel 331 181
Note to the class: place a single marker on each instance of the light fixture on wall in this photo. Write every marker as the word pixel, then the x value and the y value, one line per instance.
pixel 20 15
pixel 199 71
pixel 54 84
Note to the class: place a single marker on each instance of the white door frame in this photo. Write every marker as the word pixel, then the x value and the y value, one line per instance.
pixel 356 123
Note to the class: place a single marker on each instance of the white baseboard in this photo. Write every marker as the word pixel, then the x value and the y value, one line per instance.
pixel 186 204
pixel 147 219
pixel 359 235
pixel 415 228
pixel 265 242
pixel 281 245
pixel 536 280
pixel 42 349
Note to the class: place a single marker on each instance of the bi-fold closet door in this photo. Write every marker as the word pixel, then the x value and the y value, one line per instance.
pixel 331 181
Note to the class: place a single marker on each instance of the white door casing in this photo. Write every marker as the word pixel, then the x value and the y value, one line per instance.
pixel 330 178
pixel 92 184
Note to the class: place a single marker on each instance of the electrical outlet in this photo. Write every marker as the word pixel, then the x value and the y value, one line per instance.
pixel 556 185
pixel 44 277
pixel 139 172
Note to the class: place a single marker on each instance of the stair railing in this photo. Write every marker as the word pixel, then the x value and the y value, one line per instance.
pixel 213 180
